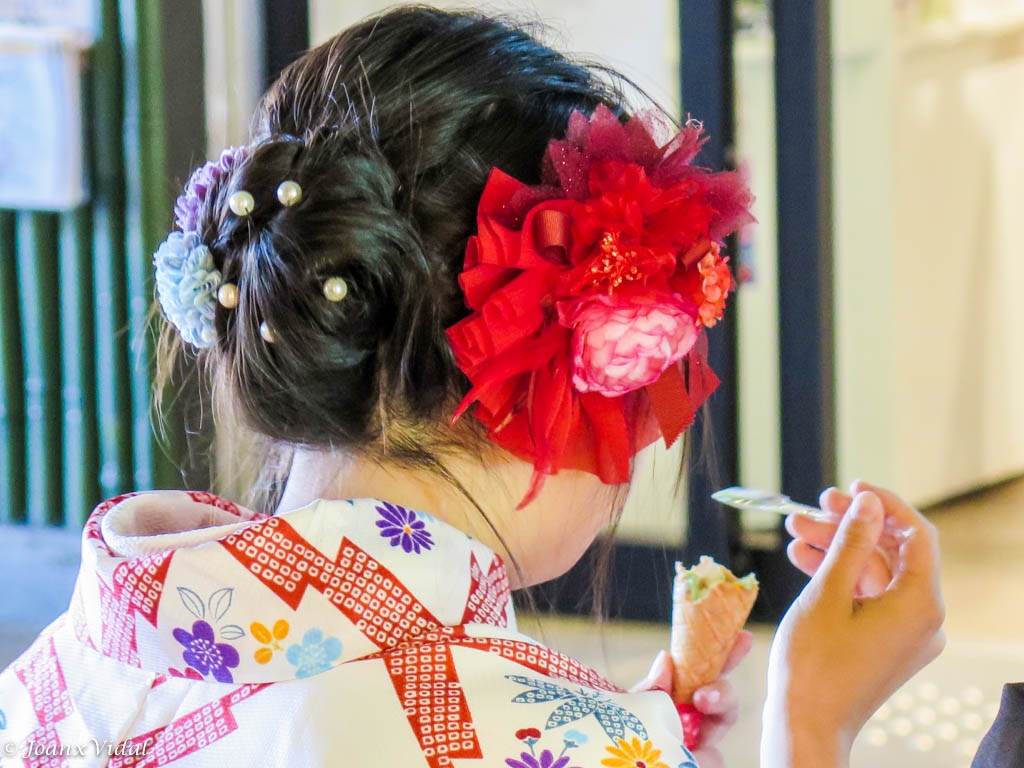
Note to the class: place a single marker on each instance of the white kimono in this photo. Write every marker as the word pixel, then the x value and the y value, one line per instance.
pixel 346 633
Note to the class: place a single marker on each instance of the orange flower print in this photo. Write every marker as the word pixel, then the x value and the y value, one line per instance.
pixel 633 754
pixel 269 639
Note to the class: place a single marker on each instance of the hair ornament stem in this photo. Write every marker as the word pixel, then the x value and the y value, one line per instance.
pixel 335 289
pixel 241 203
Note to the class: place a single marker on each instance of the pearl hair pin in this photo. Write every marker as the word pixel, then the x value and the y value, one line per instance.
pixel 227 295
pixel 241 203
pixel 289 193
pixel 266 333
pixel 335 289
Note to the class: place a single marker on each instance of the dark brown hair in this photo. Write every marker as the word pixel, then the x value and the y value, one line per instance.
pixel 391 129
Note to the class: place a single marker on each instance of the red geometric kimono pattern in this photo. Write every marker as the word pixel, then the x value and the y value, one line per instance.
pixel 45 740
pixel 541 660
pixel 489 594
pixel 188 734
pixel 362 589
pixel 427 683
pixel 138 585
pixel 428 688
pixel 39 671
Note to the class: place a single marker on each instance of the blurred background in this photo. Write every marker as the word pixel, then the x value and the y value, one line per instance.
pixel 875 333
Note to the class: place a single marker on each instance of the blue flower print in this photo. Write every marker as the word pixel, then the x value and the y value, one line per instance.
pixel 578 704
pixel 574 738
pixel 3 720
pixel 689 762
pixel 204 654
pixel 403 527
pixel 315 654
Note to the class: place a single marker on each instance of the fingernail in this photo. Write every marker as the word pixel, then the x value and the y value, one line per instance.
pixel 712 697
pixel 866 507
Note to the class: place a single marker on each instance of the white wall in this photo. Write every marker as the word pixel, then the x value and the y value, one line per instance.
pixel 958 167
pixel 233 58
pixel 929 262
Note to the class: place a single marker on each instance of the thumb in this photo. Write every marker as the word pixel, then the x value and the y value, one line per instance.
pixel 853 545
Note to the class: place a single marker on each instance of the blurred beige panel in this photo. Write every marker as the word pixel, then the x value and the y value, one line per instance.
pixel 929 192
pixel 642 43
pixel 233 51
pixel 756 304
pixel 959 255
pixel 864 251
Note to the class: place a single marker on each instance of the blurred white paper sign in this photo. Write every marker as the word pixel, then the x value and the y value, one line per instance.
pixel 42 164
pixel 79 15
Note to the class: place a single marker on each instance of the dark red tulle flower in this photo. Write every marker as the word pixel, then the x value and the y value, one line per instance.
pixel 589 293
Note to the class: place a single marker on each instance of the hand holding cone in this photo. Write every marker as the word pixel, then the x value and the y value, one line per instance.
pixel 709 608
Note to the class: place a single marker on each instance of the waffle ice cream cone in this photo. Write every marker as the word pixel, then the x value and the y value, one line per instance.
pixel 709 608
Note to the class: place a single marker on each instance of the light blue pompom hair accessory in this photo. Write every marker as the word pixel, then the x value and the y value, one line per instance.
pixel 186 286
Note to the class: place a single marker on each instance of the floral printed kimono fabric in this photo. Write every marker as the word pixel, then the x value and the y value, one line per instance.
pixel 343 633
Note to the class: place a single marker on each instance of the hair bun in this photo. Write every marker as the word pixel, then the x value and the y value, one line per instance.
pixel 330 361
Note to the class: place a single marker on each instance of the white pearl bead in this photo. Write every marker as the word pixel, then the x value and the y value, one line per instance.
pixel 289 193
pixel 227 295
pixel 241 203
pixel 266 333
pixel 335 289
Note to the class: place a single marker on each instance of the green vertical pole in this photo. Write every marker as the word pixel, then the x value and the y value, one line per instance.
pixel 38 285
pixel 147 213
pixel 113 384
pixel 78 370
pixel 12 377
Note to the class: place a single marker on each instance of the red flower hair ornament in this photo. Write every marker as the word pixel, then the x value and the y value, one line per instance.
pixel 589 295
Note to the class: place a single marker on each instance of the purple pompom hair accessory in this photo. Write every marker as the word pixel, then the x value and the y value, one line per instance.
pixel 186 208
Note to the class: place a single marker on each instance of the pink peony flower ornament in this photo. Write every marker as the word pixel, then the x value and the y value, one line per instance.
pixel 621 344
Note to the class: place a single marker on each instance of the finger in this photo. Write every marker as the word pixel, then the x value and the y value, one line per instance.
pixel 805 557
pixel 834 500
pixel 919 552
pixel 853 546
pixel 740 649
pixel 717 699
pixel 873 581
pixel 816 533
pixel 875 578
pixel 659 676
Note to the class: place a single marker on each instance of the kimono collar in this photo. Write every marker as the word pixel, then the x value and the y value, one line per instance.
pixel 192 585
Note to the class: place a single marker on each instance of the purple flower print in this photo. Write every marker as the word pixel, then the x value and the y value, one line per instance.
pixel 204 654
pixel 403 527
pixel 546 760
